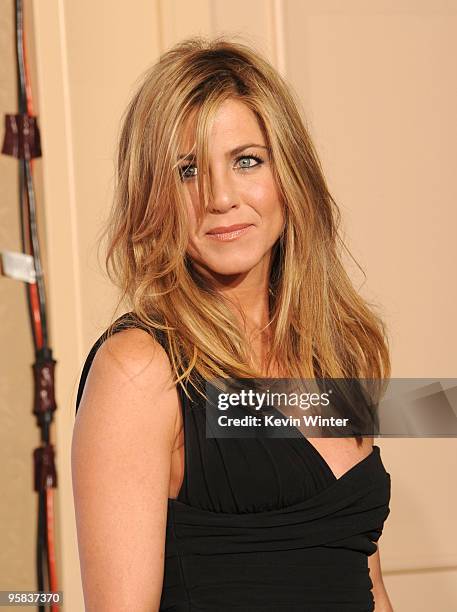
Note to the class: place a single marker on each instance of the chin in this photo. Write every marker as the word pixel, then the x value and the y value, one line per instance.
pixel 231 267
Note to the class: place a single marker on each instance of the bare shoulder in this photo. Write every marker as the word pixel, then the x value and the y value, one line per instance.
pixel 129 374
pixel 121 462
pixel 132 354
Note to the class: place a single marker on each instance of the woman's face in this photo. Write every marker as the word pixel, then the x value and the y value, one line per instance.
pixel 244 193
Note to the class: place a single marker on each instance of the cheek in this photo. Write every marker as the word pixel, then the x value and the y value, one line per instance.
pixel 191 204
pixel 262 186
pixel 192 247
pixel 260 191
pixel 265 198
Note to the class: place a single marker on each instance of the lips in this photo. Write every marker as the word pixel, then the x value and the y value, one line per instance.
pixel 229 233
pixel 223 229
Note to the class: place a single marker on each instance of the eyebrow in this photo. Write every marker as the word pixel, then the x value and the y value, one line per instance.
pixel 229 153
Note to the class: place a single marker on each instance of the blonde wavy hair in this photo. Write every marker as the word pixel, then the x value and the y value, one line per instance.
pixel 320 326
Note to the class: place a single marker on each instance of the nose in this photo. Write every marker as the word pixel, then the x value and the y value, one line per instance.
pixel 223 192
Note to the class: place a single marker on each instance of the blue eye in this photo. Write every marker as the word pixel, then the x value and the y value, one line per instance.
pixel 185 170
pixel 257 159
pixel 190 170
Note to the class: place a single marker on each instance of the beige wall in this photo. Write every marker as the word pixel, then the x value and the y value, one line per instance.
pixel 375 82
pixel 19 435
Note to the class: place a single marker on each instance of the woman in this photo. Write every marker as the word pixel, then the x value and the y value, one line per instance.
pixel 223 239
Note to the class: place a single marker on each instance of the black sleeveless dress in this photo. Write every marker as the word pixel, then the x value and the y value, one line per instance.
pixel 263 524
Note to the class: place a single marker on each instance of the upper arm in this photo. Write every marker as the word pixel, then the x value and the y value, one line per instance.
pixel 381 599
pixel 374 563
pixel 121 461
